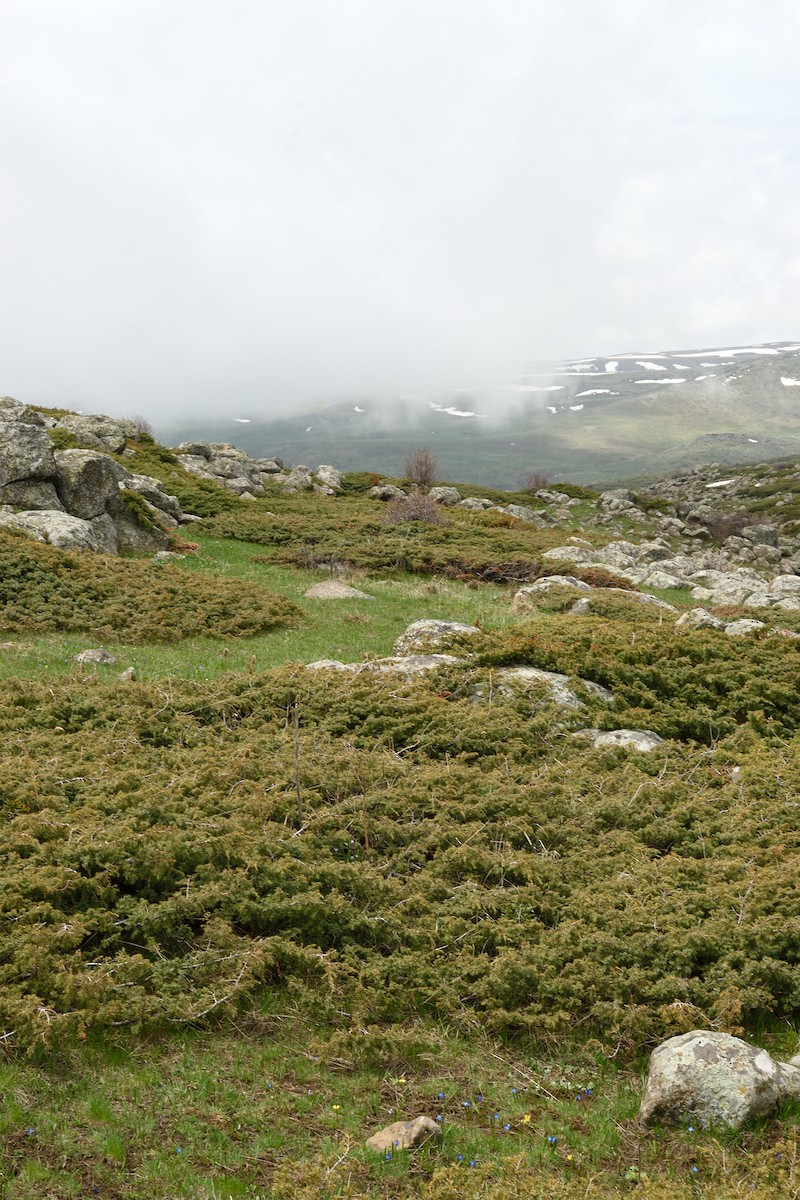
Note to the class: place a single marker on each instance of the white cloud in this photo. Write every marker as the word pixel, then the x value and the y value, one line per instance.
pixel 285 202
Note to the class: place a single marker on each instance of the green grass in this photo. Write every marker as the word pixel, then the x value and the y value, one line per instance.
pixel 343 629
pixel 280 1107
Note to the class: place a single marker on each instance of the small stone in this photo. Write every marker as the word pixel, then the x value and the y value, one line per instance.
pixel 128 675
pixel 402 1135
pixel 100 655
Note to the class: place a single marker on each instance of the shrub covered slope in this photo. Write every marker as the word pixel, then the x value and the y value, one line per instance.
pixel 349 892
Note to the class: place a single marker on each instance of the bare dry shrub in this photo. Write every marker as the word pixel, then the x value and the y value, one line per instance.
pixel 726 525
pixel 421 467
pixel 416 507
pixel 535 482
pixel 142 424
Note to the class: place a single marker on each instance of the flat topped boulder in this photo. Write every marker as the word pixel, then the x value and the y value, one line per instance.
pixel 420 637
pixel 715 1079
pixel 331 589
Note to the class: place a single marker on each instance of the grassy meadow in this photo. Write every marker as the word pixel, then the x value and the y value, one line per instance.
pixel 252 913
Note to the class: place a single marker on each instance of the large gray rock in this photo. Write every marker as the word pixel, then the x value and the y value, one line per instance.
pixel 269 466
pixel 763 535
pixel 445 495
pixel 329 478
pixel 26 451
pixel 385 491
pixel 742 627
pixel 634 597
pixel 154 492
pixel 714 1079
pixel 194 449
pixel 226 465
pixel 423 636
pixel 523 513
pixel 63 530
pixel 88 482
pixel 557 684
pixel 475 503
pixel 525 600
pixel 15 410
pixel 661 580
pixel 135 538
pixel 31 493
pixel 573 554
pixel 617 554
pixel 101 433
pixel 196 464
pixel 299 479
pixel 785 585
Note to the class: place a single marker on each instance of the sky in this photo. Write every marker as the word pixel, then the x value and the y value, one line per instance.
pixel 250 206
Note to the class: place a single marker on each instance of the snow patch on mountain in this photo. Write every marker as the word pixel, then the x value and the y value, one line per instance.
pixel 451 411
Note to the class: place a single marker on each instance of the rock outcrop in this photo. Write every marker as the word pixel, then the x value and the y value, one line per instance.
pixel 226 465
pixel 236 471
pixel 78 499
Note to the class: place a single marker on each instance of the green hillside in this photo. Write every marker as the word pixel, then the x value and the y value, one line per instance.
pixel 650 415
pixel 252 912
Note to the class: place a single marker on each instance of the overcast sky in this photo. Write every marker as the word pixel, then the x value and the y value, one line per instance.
pixel 219 205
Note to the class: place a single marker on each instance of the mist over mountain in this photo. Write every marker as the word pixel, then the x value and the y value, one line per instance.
pixel 630 415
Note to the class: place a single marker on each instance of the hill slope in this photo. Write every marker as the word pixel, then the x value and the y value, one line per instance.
pixel 256 906
pixel 628 416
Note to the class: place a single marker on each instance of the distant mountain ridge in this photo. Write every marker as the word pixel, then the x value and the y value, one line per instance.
pixel 626 416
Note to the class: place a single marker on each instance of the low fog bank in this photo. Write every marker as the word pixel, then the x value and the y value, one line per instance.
pixel 271 210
